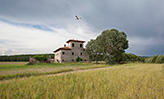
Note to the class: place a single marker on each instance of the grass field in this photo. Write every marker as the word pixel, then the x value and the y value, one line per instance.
pixel 128 81
pixel 9 70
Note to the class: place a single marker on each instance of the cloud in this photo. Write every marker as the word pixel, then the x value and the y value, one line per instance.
pixel 25 40
pixel 146 46
pixel 36 26
pixel 142 21
pixel 6 51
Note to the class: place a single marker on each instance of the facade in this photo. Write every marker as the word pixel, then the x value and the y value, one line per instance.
pixel 71 52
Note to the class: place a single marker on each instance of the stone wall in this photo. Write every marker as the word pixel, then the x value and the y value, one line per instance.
pixel 58 57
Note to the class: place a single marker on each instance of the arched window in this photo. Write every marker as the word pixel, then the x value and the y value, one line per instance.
pixel 72 53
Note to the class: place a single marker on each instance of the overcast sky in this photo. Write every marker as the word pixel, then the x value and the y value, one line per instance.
pixel 41 26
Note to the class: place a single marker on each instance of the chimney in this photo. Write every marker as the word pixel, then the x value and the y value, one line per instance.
pixel 64 45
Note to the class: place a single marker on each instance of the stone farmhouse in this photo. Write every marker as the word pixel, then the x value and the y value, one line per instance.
pixel 70 53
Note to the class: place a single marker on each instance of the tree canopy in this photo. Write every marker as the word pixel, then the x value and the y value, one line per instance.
pixel 111 44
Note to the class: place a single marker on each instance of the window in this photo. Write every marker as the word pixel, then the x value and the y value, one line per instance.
pixel 73 60
pixel 81 53
pixel 81 59
pixel 63 53
pixel 73 45
pixel 81 45
pixel 72 53
pixel 63 60
pixel 85 60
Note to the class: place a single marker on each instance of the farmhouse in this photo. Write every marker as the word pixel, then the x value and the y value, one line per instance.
pixel 71 52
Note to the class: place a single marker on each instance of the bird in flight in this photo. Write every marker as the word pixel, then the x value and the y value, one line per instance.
pixel 77 18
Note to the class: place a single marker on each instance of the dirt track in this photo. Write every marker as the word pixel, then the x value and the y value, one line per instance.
pixel 64 73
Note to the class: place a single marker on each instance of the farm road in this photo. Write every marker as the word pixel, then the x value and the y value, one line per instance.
pixel 64 73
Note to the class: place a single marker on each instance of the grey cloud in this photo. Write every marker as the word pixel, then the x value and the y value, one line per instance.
pixel 140 18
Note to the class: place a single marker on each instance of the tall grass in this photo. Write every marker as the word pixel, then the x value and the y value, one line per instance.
pixel 10 71
pixel 132 81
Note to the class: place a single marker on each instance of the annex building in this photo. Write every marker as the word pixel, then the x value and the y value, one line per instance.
pixel 71 52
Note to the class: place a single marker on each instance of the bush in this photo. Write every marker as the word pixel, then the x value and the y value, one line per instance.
pixel 78 59
pixel 156 59
pixel 152 59
pixel 42 58
pixel 160 59
pixel 30 63
pixel 129 57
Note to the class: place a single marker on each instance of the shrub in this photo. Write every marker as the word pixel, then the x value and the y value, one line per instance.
pixel 42 58
pixel 78 59
pixel 152 59
pixel 160 59
pixel 129 57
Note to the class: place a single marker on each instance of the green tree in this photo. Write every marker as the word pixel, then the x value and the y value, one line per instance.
pixel 113 44
pixel 152 59
pixel 93 50
pixel 160 59
pixel 41 58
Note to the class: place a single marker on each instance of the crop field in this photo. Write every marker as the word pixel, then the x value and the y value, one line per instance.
pixel 128 81
pixel 10 70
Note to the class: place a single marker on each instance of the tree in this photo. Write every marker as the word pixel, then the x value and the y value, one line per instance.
pixel 41 58
pixel 129 57
pixel 113 44
pixel 159 59
pixel 93 50
pixel 152 59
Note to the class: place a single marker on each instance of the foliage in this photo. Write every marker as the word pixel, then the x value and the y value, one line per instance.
pixel 130 81
pixel 41 58
pixel 159 59
pixel 129 57
pixel 93 50
pixel 156 59
pixel 21 57
pixel 78 59
pixel 152 59
pixel 111 44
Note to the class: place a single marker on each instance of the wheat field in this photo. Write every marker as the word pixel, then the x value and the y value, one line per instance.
pixel 129 81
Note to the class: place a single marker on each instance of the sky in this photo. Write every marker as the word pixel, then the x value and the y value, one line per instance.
pixel 42 26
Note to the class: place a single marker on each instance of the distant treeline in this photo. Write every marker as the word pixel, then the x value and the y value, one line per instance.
pixel 22 57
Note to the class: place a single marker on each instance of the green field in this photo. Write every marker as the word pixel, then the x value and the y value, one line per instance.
pixel 128 81
pixel 9 70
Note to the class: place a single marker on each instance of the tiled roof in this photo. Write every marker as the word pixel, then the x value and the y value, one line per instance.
pixel 63 48
pixel 72 40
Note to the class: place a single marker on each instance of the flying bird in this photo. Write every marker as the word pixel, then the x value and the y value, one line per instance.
pixel 77 18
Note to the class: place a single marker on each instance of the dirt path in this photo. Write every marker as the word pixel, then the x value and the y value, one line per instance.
pixel 64 73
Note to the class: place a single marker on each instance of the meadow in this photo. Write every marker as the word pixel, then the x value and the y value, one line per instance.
pixel 128 81
pixel 10 70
